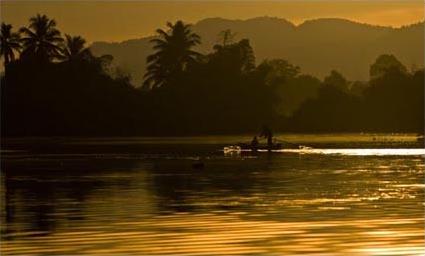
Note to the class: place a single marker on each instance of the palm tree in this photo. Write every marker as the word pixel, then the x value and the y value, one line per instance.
pixel 9 43
pixel 41 39
pixel 172 54
pixel 74 49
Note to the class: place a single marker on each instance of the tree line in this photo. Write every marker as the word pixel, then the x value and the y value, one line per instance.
pixel 55 86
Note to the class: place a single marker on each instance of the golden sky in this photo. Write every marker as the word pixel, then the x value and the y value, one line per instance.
pixel 120 20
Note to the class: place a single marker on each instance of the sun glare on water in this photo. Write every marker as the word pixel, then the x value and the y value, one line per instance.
pixel 361 151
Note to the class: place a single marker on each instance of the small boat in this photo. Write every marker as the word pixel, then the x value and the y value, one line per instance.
pixel 275 146
pixel 240 147
pixel 248 146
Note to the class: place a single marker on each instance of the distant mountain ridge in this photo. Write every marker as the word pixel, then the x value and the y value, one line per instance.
pixel 317 46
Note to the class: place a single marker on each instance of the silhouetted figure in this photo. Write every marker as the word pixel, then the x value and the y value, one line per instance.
pixel 254 143
pixel 268 134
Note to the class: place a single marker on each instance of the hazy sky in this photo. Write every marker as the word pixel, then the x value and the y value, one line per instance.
pixel 121 20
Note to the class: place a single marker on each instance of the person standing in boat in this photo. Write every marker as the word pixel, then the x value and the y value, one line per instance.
pixel 268 134
pixel 254 143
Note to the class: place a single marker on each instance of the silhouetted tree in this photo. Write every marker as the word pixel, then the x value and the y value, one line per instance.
pixel 291 87
pixel 395 101
pixel 384 63
pixel 173 54
pixel 296 91
pixel 358 87
pixel 9 43
pixel 221 92
pixel 337 80
pixel 333 110
pixel 41 40
pixel 74 49
pixel 236 58
pixel 226 37
pixel 279 71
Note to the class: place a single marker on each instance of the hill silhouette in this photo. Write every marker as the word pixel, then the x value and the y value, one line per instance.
pixel 318 46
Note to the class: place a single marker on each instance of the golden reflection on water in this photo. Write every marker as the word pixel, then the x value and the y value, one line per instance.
pixel 212 234
pixel 336 202
pixel 360 151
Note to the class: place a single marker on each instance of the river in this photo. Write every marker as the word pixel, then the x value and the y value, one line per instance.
pixel 351 194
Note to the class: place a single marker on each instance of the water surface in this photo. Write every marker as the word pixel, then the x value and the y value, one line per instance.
pixel 349 195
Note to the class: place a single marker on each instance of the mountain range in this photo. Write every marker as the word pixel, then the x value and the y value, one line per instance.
pixel 316 46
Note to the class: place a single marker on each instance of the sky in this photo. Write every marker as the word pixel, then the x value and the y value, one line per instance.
pixel 106 20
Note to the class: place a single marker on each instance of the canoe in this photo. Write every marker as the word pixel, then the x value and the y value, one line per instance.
pixel 240 147
pixel 247 146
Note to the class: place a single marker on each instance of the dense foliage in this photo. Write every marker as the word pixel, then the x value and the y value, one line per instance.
pixel 57 87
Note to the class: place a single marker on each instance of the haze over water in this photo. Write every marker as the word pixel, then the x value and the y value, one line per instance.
pixel 142 196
